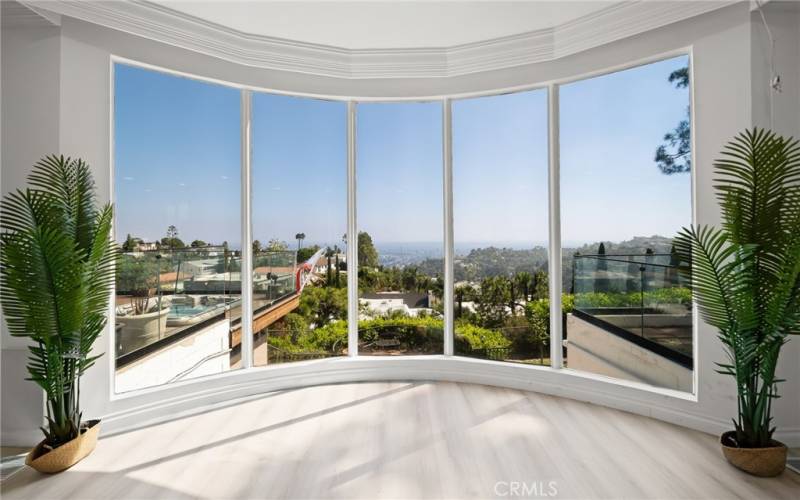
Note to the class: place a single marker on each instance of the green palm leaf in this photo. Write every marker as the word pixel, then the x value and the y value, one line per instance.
pixel 57 275
pixel 746 274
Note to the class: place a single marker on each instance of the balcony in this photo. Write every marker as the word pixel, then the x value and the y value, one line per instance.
pixel 632 319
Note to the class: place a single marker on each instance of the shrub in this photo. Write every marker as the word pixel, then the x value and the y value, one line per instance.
pixel 471 337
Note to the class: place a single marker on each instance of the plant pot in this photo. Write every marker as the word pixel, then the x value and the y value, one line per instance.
pixel 66 455
pixel 140 330
pixel 763 462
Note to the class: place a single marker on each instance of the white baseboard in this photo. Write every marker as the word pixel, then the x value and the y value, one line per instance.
pixel 21 438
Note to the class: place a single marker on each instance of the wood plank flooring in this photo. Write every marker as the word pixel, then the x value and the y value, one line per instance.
pixel 405 440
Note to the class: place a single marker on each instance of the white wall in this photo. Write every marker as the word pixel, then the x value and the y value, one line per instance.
pixel 784 23
pixel 30 130
pixel 722 89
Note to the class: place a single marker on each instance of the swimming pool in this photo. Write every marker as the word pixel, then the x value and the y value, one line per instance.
pixel 182 311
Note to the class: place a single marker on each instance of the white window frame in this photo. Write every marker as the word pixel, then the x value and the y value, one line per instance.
pixel 554 230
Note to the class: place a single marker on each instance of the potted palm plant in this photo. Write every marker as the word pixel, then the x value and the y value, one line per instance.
pixel 57 276
pixel 746 281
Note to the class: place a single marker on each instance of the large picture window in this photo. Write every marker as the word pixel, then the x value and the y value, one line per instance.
pixel 501 227
pixel 625 193
pixel 178 221
pixel 400 248
pixel 623 165
pixel 299 200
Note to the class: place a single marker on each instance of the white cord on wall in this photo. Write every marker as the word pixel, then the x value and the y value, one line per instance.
pixel 774 78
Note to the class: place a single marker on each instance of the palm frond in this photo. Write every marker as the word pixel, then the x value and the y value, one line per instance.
pixel 746 275
pixel 57 270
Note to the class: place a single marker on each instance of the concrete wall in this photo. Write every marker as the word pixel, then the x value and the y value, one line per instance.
pixel 723 105
pixel 594 350
pixel 176 359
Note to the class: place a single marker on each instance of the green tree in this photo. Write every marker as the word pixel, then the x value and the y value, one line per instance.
pixel 524 281
pixel 172 243
pixel 306 253
pixel 256 247
pixel 674 155
pixel 276 245
pixel 541 289
pixel 129 244
pixel 137 277
pixel 198 244
pixel 337 251
pixel 367 253
pixel 601 261
pixel 410 277
pixel 329 253
pixel 493 298
pixel 321 305
pixel 295 326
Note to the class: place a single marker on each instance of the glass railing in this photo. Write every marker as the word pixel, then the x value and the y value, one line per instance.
pixel 274 277
pixel 643 295
pixel 164 295
pixel 296 315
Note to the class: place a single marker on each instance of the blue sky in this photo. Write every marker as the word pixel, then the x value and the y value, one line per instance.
pixel 500 169
pixel 399 171
pixel 299 169
pixel 611 125
pixel 177 158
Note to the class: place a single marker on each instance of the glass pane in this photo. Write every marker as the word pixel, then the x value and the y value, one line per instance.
pixel 625 193
pixel 501 227
pixel 400 263
pixel 177 207
pixel 299 201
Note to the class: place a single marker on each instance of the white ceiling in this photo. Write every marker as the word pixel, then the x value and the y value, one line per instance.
pixel 377 24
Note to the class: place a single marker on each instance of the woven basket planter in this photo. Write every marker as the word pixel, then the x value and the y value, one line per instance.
pixel 763 462
pixel 66 455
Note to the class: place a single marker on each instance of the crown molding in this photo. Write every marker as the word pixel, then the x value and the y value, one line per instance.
pixel 158 23
pixel 17 15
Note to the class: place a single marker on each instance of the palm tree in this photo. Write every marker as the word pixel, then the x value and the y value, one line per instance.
pixel 300 237
pixel 57 272
pixel 745 275
pixel 524 280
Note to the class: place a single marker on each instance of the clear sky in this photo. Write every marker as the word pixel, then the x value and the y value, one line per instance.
pixel 611 125
pixel 500 169
pixel 177 157
pixel 299 169
pixel 399 171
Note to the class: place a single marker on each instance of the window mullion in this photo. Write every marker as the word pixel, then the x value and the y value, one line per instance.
pixel 447 157
pixel 554 253
pixel 246 273
pixel 352 235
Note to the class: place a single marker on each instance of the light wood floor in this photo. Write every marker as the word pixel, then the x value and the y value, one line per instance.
pixel 405 440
